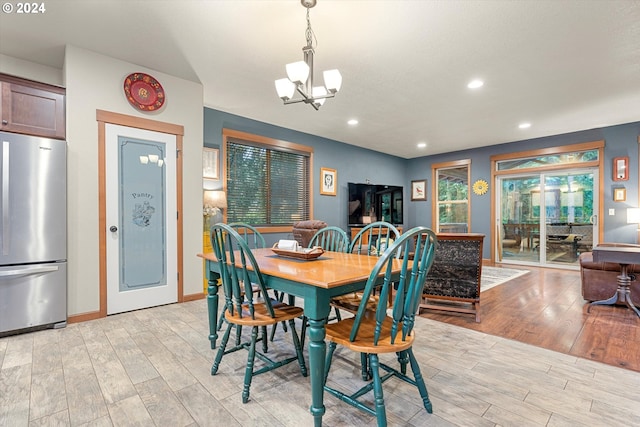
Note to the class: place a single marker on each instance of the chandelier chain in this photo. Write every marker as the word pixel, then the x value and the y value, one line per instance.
pixel 311 36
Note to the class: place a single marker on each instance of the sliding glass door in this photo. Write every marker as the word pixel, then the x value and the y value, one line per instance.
pixel 546 218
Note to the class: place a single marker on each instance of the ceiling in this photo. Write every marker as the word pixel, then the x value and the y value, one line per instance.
pixel 563 65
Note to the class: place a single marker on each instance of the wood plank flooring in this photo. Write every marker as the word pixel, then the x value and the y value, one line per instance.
pixel 152 368
pixel 545 308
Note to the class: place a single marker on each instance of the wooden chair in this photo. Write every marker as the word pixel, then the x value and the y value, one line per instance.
pixel 333 239
pixel 254 240
pixel 371 240
pixel 374 238
pixel 373 333
pixel 242 307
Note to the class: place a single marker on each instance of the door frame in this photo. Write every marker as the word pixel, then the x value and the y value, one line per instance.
pixel 542 219
pixel 104 117
pixel 599 164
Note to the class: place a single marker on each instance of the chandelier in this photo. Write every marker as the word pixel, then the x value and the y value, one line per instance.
pixel 300 75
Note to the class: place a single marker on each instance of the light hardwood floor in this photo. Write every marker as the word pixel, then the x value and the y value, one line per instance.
pixel 151 367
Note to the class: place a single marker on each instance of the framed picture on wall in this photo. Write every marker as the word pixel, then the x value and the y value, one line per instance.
pixel 328 181
pixel 419 190
pixel 619 194
pixel 210 163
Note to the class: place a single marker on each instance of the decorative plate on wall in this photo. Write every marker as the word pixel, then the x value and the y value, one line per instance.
pixel 144 92
pixel 480 187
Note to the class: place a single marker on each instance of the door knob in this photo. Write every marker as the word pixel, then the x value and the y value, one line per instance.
pixel 113 229
pixel 4 122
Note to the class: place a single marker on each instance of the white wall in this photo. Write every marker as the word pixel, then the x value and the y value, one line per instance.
pixel 95 82
pixel 28 70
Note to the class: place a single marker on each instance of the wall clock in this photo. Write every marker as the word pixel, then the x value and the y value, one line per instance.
pixel 480 187
pixel 144 92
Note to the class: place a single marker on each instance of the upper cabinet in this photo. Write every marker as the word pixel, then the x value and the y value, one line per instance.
pixel 32 108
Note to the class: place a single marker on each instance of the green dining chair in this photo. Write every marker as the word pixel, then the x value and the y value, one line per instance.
pixel 255 240
pixel 371 240
pixel 374 238
pixel 386 330
pixel 243 286
pixel 331 238
pixel 250 234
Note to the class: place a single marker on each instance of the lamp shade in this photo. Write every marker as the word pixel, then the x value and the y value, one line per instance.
pixel 319 91
pixel 332 80
pixel 633 216
pixel 215 199
pixel 298 72
pixel 285 89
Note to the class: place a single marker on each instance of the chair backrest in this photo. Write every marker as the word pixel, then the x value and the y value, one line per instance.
pixel 239 284
pixel 408 284
pixel 331 239
pixel 374 238
pixel 250 234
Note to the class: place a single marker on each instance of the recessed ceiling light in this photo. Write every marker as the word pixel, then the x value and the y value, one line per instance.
pixel 475 84
pixel 352 122
pixel 524 125
pixel 422 144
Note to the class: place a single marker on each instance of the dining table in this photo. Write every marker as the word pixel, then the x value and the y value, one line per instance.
pixel 316 281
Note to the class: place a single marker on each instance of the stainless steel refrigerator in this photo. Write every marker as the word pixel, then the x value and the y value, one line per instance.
pixel 33 233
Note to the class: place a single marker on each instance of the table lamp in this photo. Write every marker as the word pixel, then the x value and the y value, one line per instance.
pixel 214 202
pixel 633 217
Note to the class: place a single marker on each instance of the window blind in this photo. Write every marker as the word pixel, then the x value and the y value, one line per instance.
pixel 266 185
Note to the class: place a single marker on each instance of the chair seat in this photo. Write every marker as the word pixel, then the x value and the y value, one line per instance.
pixel 262 317
pixel 351 302
pixel 339 333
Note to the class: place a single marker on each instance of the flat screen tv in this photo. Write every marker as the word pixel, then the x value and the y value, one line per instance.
pixel 369 203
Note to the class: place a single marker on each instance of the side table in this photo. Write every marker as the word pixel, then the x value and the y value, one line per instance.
pixel 623 256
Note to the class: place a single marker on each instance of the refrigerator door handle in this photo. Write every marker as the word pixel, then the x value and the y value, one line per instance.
pixel 5 198
pixel 27 271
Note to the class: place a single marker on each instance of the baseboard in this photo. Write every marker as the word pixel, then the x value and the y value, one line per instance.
pixel 84 317
pixel 194 297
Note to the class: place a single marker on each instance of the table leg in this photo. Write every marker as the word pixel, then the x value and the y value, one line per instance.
pixel 317 353
pixel 623 293
pixel 212 305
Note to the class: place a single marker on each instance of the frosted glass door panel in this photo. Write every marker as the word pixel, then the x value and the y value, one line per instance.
pixel 141 218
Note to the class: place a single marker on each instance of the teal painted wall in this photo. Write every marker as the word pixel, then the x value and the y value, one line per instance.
pixel 355 164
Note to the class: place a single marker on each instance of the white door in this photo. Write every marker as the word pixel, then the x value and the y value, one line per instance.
pixel 141 218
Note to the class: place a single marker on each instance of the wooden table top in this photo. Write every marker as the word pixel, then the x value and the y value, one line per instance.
pixel 619 254
pixel 330 270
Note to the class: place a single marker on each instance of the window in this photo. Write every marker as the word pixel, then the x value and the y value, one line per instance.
pixel 267 181
pixel 451 189
pixel 572 159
